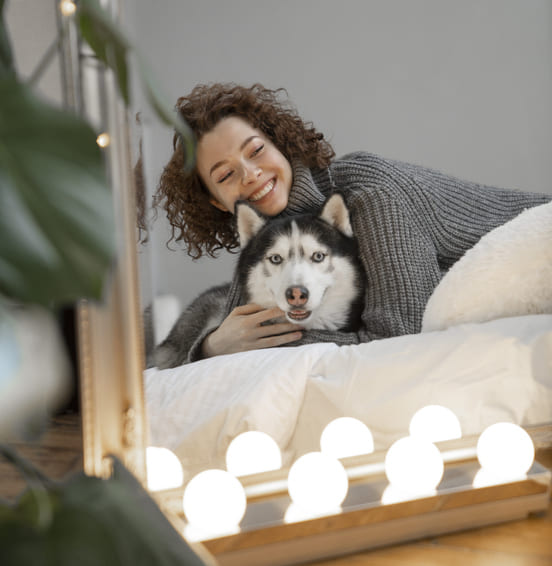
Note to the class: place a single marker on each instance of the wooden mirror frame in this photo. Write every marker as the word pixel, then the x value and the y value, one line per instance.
pixel 114 422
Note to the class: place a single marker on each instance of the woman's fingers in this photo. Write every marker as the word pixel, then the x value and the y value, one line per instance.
pixel 279 339
pixel 245 329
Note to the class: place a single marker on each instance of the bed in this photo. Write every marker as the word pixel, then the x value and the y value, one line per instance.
pixel 485 352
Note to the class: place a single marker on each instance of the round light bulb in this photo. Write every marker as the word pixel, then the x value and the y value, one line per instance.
pixel 164 470
pixel 346 436
pixel 214 500
pixel 317 482
pixel 414 465
pixel 67 7
pixel 435 423
pixel 505 450
pixel 251 453
pixel 103 140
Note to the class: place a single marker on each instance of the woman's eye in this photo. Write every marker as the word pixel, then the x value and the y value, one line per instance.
pixel 225 176
pixel 318 257
pixel 275 259
pixel 257 150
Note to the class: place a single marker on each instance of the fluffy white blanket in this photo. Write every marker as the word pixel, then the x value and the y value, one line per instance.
pixel 507 273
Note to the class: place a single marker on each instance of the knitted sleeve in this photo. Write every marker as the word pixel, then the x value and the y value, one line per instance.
pixel 400 265
pixel 412 224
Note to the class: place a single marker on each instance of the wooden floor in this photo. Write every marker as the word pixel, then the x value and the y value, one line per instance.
pixel 518 543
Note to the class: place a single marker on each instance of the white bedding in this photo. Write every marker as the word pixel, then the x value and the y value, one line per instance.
pixel 485 372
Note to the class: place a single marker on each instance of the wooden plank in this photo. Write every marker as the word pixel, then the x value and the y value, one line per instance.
pixel 356 539
pixel 57 453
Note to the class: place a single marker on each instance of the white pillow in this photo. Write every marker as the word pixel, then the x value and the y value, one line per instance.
pixel 507 273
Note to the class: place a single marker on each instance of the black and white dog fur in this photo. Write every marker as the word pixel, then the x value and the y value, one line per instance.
pixel 307 265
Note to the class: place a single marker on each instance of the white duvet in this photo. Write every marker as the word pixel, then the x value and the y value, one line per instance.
pixel 485 372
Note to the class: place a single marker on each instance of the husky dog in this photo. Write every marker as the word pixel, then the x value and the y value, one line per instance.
pixel 307 265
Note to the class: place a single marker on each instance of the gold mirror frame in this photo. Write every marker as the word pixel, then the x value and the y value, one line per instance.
pixel 114 421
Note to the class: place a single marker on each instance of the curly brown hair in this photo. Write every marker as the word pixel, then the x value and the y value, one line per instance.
pixel 182 194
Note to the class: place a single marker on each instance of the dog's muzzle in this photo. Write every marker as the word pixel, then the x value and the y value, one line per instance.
pixel 297 297
pixel 298 315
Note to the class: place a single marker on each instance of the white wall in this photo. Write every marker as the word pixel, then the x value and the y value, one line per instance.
pixel 461 86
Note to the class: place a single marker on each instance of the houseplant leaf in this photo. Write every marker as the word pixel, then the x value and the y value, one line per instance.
pixel 111 47
pixel 110 522
pixel 107 42
pixel 6 55
pixel 56 217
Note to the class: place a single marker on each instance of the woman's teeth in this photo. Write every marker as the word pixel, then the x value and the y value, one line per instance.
pixel 263 192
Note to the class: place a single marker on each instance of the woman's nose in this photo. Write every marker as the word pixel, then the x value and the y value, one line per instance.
pixel 250 173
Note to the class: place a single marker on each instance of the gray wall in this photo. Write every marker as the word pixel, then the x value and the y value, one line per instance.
pixel 461 86
pixel 32 29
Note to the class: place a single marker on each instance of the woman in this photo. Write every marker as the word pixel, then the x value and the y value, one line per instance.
pixel 411 223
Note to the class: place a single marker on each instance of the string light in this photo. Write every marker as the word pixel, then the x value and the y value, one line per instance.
pixel 103 140
pixel 67 7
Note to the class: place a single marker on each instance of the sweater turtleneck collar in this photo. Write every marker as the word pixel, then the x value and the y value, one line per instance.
pixel 309 190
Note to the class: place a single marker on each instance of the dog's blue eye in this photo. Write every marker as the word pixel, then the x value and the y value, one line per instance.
pixel 318 257
pixel 275 259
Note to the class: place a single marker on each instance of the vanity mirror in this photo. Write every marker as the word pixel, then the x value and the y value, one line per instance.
pixel 426 82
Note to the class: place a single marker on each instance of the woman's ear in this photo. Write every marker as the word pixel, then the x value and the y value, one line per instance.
pixel 218 205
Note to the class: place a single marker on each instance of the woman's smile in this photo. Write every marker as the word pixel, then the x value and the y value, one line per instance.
pixel 262 192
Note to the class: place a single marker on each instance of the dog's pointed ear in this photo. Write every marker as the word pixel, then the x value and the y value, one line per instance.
pixel 249 222
pixel 336 213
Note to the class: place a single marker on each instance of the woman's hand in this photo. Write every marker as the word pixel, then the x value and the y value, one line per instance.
pixel 243 330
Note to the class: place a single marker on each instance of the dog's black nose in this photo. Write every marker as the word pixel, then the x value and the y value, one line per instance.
pixel 297 296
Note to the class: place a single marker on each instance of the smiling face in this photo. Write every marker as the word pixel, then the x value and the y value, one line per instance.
pixel 238 162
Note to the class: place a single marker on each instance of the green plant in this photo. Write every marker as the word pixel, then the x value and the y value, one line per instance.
pixel 57 243
pixel 88 521
pixel 56 220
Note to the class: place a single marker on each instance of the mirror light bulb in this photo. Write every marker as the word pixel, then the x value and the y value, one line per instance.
pixel 435 423
pixel 414 465
pixel 317 482
pixel 164 470
pixel 253 452
pixel 214 500
pixel 505 451
pixel 346 436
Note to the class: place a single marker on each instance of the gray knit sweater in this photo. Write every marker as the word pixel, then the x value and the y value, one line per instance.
pixel 411 223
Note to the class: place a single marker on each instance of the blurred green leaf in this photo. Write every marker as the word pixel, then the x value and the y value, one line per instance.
pixel 107 42
pixel 6 55
pixel 57 236
pixel 95 522
pixel 111 47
